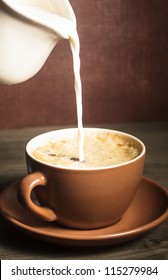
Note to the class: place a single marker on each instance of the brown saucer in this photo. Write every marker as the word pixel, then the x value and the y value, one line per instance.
pixel 148 210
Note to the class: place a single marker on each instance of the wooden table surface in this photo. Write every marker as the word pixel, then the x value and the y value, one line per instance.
pixel 16 245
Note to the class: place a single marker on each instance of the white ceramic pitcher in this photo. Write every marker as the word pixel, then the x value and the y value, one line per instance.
pixel 29 30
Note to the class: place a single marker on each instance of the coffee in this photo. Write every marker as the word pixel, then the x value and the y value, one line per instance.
pixel 101 149
pixel 76 194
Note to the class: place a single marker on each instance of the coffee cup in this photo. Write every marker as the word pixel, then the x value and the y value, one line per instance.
pixel 82 195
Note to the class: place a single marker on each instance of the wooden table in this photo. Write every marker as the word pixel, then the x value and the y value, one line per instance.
pixel 16 245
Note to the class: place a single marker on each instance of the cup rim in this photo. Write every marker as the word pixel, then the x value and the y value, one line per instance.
pixel 70 130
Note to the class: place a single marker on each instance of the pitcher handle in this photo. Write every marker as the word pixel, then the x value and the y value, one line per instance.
pixel 26 186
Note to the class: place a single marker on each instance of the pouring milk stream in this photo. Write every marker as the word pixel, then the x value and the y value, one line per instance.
pixel 29 30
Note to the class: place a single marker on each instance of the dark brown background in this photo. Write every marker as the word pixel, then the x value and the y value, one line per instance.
pixel 124 69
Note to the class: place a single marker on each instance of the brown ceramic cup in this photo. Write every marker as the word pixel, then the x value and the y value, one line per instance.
pixel 86 198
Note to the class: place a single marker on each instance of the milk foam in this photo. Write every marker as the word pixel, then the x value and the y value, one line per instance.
pixel 102 149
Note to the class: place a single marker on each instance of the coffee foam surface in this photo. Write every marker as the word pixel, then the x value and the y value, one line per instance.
pixel 101 150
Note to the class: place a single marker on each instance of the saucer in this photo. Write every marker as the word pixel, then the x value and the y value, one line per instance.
pixel 148 210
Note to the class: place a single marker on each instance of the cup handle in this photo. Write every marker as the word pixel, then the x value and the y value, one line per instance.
pixel 28 183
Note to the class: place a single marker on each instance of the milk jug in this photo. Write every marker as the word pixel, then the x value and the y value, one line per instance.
pixel 29 30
